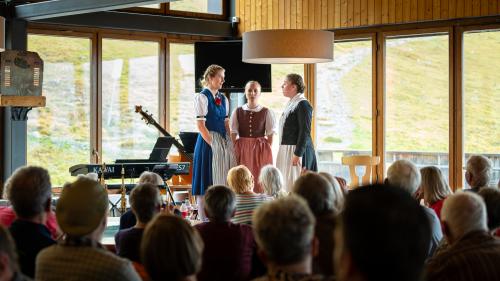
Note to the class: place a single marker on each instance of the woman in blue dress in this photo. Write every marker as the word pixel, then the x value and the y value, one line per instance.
pixel 213 153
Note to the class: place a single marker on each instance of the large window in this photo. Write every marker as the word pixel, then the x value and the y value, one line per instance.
pixel 130 73
pixel 182 89
pixel 198 6
pixel 275 100
pixel 59 134
pixel 344 106
pixel 417 100
pixel 481 90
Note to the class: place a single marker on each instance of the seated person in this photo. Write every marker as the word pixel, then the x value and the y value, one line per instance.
pixel 375 241
pixel 491 197
pixel 325 205
pixel 171 249
pixel 478 172
pixel 434 187
pixel 284 231
pixel 128 220
pixel 81 213
pixel 8 216
pixel 229 248
pixel 29 190
pixel 472 253
pixel 240 179
pixel 271 180
pixel 145 202
pixel 9 269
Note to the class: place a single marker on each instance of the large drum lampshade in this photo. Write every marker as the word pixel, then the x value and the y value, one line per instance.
pixel 287 46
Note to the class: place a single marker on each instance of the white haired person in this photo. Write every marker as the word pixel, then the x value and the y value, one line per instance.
pixel 296 150
pixel 405 175
pixel 271 180
pixel 252 129
pixel 213 152
pixel 478 172
pixel 473 253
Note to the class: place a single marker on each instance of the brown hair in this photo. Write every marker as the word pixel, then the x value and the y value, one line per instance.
pixel 145 201
pixel 433 185
pixel 240 179
pixel 211 71
pixel 170 248
pixel 296 80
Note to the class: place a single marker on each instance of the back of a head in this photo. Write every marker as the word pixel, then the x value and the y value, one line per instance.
pixel 170 248
pixel 8 248
pixel 338 192
pixel 491 197
pixel 317 191
pixel 145 201
pixel 434 185
pixel 240 179
pixel 271 180
pixel 386 233
pixel 464 212
pixel 81 207
pixel 284 230
pixel 150 177
pixel 29 190
pixel 220 203
pixel 404 174
pixel 480 167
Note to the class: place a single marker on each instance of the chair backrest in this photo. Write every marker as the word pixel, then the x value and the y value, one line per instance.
pixel 360 160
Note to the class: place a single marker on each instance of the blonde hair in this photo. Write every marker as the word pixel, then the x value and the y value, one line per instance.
pixel 240 179
pixel 171 249
pixel 150 177
pixel 251 82
pixel 211 71
pixel 433 185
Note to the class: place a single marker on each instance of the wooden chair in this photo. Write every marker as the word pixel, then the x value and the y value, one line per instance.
pixel 360 160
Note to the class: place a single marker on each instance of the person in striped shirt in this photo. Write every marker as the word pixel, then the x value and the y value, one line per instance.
pixel 241 181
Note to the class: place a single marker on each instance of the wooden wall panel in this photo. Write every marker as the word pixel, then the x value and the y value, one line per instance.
pixel 331 14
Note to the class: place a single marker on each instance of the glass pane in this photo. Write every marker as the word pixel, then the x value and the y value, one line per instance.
pixel 482 97
pixel 344 106
pixel 130 73
pixel 182 89
pixel 59 134
pixel 275 100
pixel 417 101
pixel 198 6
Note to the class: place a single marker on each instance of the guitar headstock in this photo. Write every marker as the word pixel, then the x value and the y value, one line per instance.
pixel 148 118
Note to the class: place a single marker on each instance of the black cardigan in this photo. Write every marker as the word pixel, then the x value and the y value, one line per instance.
pixel 297 128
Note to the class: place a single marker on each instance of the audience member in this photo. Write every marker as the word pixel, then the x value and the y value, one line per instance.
pixel 478 172
pixel 472 254
pixel 240 180
pixel 324 204
pixel 9 269
pixel 381 241
pixel 128 219
pixel 434 187
pixel 284 231
pixel 491 197
pixel 8 216
pixel 338 190
pixel 271 180
pixel 145 202
pixel 338 183
pixel 404 174
pixel 82 213
pixel 171 249
pixel 29 191
pixel 230 248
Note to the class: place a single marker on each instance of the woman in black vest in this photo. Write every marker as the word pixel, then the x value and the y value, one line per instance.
pixel 296 147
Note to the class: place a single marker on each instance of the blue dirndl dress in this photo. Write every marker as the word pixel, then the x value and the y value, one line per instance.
pixel 202 162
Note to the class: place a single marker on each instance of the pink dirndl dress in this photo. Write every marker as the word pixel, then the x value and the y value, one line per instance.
pixel 252 148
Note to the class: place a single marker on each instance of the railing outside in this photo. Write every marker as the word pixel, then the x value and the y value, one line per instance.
pixel 330 161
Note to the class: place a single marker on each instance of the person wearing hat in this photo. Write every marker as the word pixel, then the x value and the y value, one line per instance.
pixel 81 213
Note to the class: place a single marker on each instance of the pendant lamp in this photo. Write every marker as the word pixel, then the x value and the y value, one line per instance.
pixel 287 46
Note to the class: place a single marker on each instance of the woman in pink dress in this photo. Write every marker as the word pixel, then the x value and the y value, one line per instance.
pixel 252 129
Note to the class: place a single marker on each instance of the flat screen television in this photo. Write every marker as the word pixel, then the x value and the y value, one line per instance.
pixel 228 54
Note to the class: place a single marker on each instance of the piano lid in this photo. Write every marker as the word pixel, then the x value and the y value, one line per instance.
pixel 132 170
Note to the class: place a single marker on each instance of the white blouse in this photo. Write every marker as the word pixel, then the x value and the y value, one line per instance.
pixel 201 106
pixel 270 120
